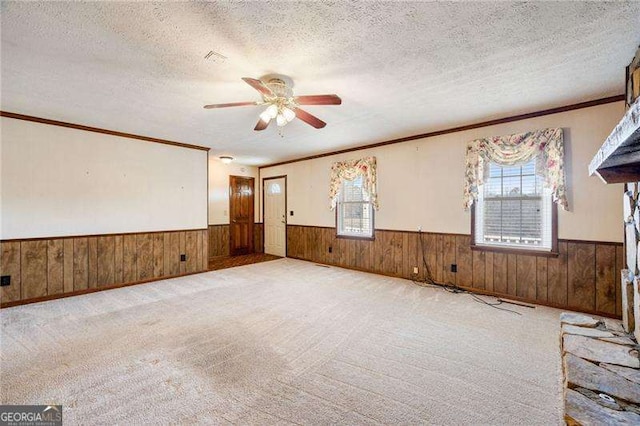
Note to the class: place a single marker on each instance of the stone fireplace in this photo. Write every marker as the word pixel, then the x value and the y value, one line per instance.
pixel 601 363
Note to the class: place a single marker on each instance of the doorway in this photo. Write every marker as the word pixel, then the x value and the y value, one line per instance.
pixel 274 192
pixel 241 215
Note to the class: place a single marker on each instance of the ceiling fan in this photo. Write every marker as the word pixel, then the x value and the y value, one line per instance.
pixel 281 104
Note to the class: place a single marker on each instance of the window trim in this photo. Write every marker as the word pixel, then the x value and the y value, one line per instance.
pixel 512 250
pixel 357 237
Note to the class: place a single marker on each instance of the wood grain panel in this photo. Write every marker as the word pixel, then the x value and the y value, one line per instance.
pixel 68 265
pixel 512 274
pixel 448 258
pixel 464 260
pixel 362 254
pixel 500 276
pixel 439 248
pixel 46 268
pixel 129 259
pixel 80 264
pixel 342 250
pixel 198 253
pixel 191 247
pixel 182 238
pixel 218 240
pixel 144 254
pixel 581 276
pixel 488 271
pixel 430 245
pixel 106 261
pixel 379 249
pixel 541 279
pixel 171 253
pixel 411 256
pixel 33 268
pixel 118 259
pixel 329 242
pixel 313 244
pixel 292 240
pixel 557 276
pixel 351 253
pixel 11 266
pixel 205 250
pixel 158 254
pixel 93 261
pixel 478 270
pixel 606 281
pixel 526 283
pixel 397 252
pixel 258 238
pixel 55 266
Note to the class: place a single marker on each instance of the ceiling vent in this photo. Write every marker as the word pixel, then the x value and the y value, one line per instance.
pixel 215 57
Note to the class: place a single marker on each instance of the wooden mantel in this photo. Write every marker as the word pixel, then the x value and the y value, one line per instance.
pixel 618 160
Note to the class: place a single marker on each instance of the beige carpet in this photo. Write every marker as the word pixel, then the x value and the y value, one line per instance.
pixel 285 341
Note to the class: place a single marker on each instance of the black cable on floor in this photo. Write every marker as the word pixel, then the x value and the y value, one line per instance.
pixel 450 287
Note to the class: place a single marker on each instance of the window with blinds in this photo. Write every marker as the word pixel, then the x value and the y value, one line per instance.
pixel 354 210
pixel 514 210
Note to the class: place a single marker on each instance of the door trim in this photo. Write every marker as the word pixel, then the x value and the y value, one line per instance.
pixel 253 218
pixel 286 214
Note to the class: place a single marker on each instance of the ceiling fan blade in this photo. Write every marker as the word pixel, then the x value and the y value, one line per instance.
pixel 258 85
pixel 309 119
pixel 233 104
pixel 261 125
pixel 318 100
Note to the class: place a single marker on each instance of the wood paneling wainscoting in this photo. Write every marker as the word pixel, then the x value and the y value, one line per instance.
pixel 584 277
pixel 219 239
pixel 48 268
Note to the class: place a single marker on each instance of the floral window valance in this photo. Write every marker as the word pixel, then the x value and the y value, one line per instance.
pixel 546 146
pixel 349 170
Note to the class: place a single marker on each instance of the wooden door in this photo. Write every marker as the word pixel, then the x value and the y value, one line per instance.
pixel 275 219
pixel 241 215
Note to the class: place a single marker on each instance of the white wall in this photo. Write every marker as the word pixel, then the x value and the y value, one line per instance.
pixel 58 181
pixel 420 183
pixel 219 188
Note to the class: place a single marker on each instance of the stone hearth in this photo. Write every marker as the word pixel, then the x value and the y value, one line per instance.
pixel 601 367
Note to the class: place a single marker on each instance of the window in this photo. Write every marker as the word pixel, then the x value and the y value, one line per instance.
pixel 354 212
pixel 513 210
pixel 274 188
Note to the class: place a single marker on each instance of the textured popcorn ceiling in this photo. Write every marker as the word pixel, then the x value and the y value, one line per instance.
pixel 400 68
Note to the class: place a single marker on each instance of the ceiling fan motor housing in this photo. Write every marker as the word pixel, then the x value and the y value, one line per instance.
pixel 279 88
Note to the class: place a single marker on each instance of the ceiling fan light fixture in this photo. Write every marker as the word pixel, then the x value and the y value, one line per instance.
pixel 226 159
pixel 288 114
pixel 281 120
pixel 265 116
pixel 272 110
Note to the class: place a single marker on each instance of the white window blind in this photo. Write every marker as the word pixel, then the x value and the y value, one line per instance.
pixel 354 210
pixel 513 209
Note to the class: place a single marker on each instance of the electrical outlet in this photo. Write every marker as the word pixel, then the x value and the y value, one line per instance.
pixel 454 268
pixel 291 213
pixel 183 258
pixel 5 280
pixel 415 270
pixel 330 249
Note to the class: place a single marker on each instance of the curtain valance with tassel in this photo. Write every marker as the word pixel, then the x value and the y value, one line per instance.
pixel 349 170
pixel 546 146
